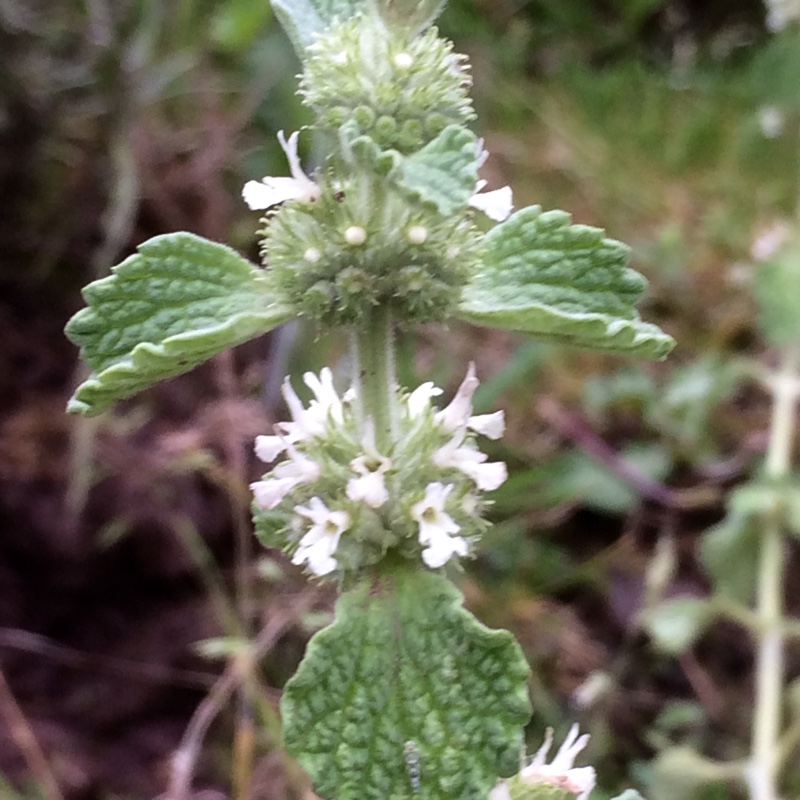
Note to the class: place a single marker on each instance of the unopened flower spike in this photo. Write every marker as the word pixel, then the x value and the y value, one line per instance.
pixel 272 191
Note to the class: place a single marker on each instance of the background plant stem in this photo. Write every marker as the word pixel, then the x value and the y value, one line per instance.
pixel 769 604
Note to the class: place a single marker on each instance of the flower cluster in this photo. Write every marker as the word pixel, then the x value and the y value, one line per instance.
pixel 340 503
pixel 558 780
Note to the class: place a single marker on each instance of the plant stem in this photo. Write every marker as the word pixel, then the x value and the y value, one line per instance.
pixel 375 375
pixel 769 606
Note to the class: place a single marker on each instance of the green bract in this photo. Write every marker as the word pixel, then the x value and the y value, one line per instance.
pixel 178 301
pixel 407 695
pixel 543 276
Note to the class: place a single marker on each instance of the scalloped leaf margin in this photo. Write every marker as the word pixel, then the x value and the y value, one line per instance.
pixel 167 308
pixel 567 283
pixel 406 695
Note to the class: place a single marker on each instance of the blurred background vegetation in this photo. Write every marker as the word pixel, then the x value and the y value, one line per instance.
pixel 125 541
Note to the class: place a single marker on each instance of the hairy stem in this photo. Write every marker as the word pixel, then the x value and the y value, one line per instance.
pixel 375 374
pixel 769 604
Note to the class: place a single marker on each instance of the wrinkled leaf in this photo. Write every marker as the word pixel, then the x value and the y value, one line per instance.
pixel 178 301
pixel 676 624
pixel 548 278
pixel 408 696
pixel 444 173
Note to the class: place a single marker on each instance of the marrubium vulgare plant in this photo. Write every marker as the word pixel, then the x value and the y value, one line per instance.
pixel 380 488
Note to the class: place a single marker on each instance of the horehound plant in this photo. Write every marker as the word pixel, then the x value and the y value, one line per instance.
pixel 406 694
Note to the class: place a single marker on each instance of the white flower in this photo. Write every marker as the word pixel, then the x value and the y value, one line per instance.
pixel 497 204
pixel 299 469
pixel 310 422
pixel 470 461
pixel 271 191
pixel 306 423
pixel 268 448
pixel 420 399
pixel 560 771
pixel 326 402
pixel 320 542
pixel 459 412
pixel 436 527
pixel 370 486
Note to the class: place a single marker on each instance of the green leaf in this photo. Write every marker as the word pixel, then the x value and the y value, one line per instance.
pixel 760 499
pixel 407 695
pixel 567 283
pixel 584 478
pixel 729 552
pixel 304 19
pixel 178 301
pixel 776 284
pixel 444 173
pixel 677 623
pixel 679 773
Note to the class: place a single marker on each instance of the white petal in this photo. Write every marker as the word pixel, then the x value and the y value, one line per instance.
pixel 300 468
pixel 420 398
pixel 541 755
pixel 268 448
pixel 572 745
pixel 293 401
pixel 270 191
pixel 327 399
pixel 492 426
pixel 487 477
pixel 583 779
pixel 320 563
pixel 316 511
pixel 290 148
pixel 269 493
pixel 369 488
pixel 497 204
pixel 500 792
pixel 457 413
pixel 442 549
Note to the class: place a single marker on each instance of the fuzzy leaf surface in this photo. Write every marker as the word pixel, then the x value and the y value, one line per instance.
pixel 175 303
pixel 304 19
pixel 444 173
pixel 557 281
pixel 406 695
